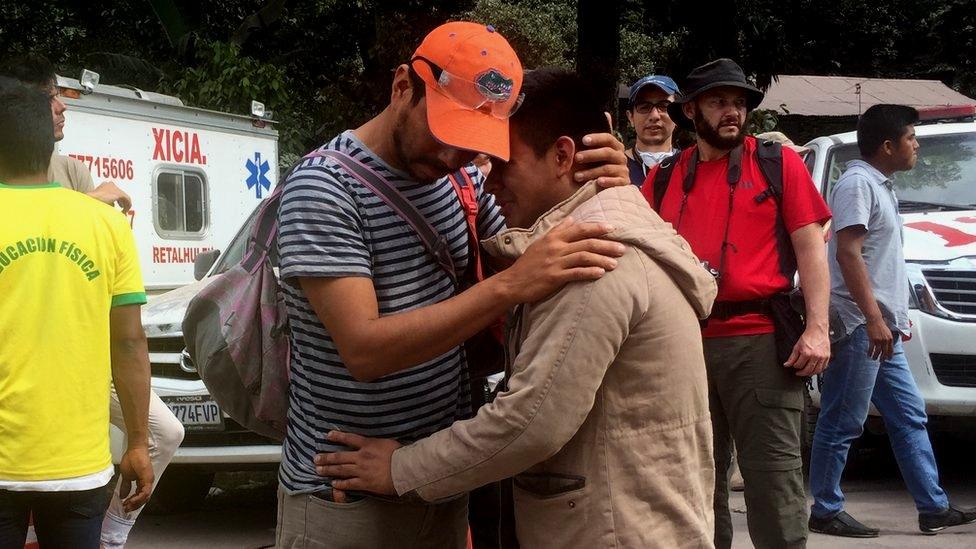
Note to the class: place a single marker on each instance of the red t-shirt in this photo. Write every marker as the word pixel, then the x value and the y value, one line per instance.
pixel 751 269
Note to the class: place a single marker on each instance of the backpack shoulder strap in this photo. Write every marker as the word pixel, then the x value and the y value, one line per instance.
pixel 435 243
pixel 770 156
pixel 464 187
pixel 662 178
pixel 265 230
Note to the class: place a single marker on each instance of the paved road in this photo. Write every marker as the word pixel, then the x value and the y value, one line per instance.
pixel 876 496
pixel 240 513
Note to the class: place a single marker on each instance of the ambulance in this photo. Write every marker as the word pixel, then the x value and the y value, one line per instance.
pixel 194 175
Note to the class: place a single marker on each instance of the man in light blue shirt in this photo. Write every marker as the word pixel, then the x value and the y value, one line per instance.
pixel 869 294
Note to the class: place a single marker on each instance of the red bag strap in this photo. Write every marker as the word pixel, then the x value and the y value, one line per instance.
pixel 464 188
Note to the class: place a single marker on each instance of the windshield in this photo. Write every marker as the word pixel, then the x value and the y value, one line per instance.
pixel 235 250
pixel 944 176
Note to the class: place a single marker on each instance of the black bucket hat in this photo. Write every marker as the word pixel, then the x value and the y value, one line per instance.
pixel 715 74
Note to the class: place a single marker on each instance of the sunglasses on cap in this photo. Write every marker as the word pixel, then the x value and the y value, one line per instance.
pixel 477 96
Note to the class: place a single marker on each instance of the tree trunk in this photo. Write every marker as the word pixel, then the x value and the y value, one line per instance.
pixel 598 49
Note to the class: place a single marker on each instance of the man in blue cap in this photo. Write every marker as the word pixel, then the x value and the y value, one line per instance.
pixel 648 114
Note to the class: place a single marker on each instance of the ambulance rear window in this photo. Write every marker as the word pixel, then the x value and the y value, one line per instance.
pixel 180 203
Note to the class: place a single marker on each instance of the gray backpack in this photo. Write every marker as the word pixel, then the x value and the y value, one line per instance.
pixel 236 332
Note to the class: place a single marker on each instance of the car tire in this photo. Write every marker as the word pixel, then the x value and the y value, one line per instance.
pixel 180 490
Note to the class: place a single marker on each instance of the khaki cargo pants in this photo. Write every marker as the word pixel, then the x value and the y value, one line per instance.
pixel 758 403
pixel 308 521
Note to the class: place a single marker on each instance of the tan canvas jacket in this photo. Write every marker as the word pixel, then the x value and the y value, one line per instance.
pixel 604 424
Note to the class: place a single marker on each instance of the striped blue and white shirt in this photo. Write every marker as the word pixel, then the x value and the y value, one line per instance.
pixel 330 225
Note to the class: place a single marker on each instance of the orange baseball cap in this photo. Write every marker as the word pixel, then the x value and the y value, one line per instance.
pixel 473 82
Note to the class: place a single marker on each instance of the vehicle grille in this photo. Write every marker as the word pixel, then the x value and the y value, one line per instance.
pixel 234 434
pixel 172 344
pixel 955 370
pixel 164 358
pixel 955 290
pixel 172 371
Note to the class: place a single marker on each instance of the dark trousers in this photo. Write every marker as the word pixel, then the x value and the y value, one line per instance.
pixel 62 520
pixel 485 504
pixel 757 403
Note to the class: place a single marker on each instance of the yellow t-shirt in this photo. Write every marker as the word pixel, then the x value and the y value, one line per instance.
pixel 65 261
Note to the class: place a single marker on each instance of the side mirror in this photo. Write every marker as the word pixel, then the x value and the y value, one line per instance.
pixel 203 263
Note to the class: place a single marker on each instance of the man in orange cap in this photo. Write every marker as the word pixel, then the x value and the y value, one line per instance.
pixel 377 324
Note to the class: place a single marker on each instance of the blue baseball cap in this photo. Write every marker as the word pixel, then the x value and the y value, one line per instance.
pixel 664 83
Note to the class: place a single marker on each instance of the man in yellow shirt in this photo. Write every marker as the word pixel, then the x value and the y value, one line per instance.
pixel 70 324
pixel 165 430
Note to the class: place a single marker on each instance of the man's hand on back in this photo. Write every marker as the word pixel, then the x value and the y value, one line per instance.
pixel 368 468
pixel 109 193
pixel 567 253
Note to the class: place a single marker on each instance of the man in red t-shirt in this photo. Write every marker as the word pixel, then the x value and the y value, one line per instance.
pixel 731 223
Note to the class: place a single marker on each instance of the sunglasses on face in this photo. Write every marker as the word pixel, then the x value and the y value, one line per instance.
pixel 646 108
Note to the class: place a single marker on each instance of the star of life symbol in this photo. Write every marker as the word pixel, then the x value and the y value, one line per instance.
pixel 258 168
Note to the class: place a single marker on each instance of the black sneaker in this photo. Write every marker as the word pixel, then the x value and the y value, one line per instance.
pixel 930 523
pixel 842 525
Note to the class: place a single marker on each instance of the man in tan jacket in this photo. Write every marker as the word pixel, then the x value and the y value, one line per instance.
pixel 603 421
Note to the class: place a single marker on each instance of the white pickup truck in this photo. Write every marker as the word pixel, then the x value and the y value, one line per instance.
pixel 938 208
pixel 213 441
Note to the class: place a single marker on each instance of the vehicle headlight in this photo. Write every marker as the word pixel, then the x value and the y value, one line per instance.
pixel 920 294
pixel 913 301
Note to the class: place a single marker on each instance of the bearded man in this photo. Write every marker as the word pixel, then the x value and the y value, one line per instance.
pixel 753 227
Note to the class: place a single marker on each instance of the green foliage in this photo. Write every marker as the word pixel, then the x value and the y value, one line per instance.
pixel 542 32
pixel 639 55
pixel 761 121
pixel 326 65
pixel 53 18
pixel 20 18
pixel 225 80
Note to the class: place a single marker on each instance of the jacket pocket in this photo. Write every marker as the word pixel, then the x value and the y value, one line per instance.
pixel 549 485
pixel 560 503
pixel 774 433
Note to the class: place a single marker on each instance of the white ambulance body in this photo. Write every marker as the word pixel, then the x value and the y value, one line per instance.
pixel 194 175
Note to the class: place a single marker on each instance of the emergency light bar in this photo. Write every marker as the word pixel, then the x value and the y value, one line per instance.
pixel 947 113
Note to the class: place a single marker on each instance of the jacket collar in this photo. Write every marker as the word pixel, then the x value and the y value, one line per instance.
pixel 870 172
pixel 511 243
